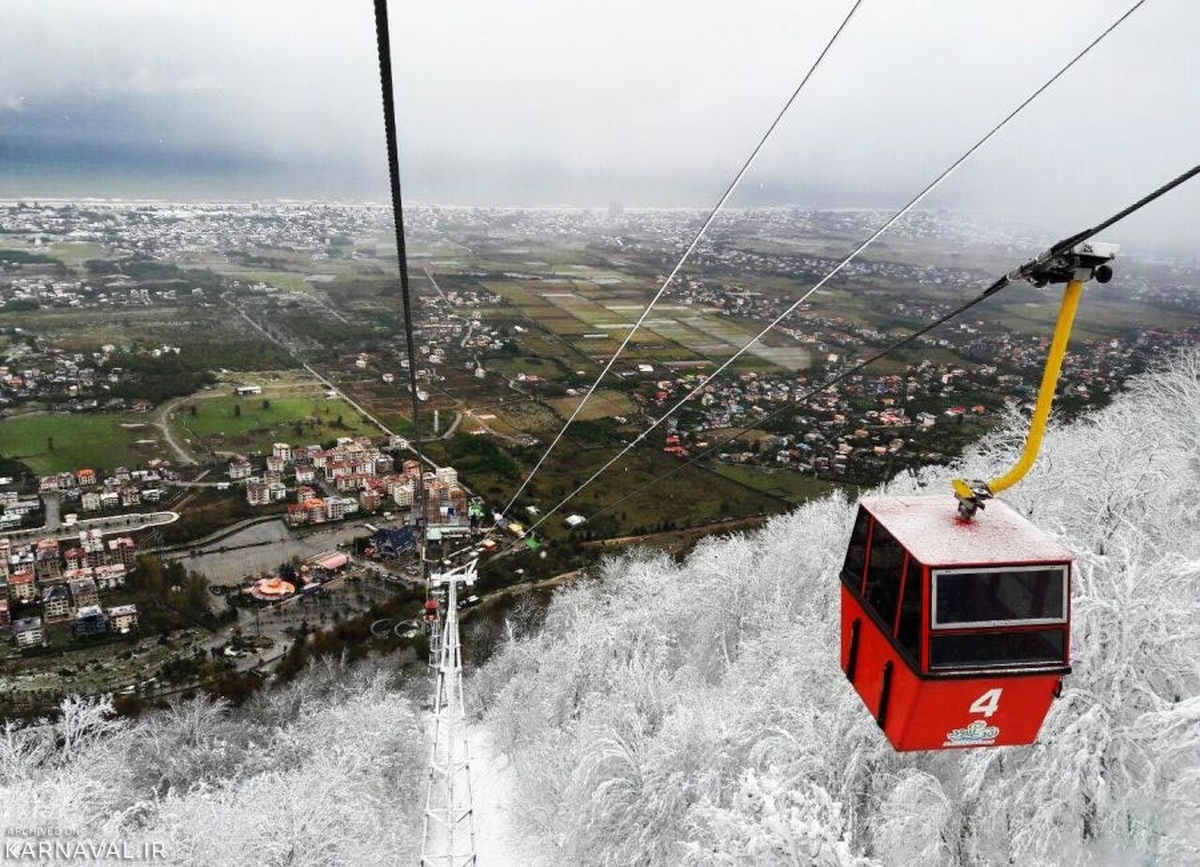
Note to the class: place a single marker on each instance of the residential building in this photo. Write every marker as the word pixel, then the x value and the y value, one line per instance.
pixel 403 494
pixel 258 493
pixel 92 542
pixel 29 632
pixel 56 603
pixel 369 500
pixel 75 558
pixel 83 592
pixel 316 510
pixel 122 550
pixel 335 508
pixel 110 577
pixel 22 586
pixel 48 566
pixel 123 618
pixel 239 468
pixel 297 514
pixel 90 620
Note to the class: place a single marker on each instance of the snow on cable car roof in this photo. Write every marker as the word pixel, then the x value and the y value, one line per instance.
pixel 929 527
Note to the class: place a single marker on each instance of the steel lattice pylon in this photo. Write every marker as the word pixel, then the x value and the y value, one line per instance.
pixel 449 836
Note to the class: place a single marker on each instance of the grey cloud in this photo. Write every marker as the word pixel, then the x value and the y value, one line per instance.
pixel 653 103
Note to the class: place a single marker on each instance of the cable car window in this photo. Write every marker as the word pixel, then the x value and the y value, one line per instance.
pixel 1026 647
pixel 993 597
pixel 908 635
pixel 884 566
pixel 856 554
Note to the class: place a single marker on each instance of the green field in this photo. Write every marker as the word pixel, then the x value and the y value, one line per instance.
pixel 282 279
pixel 681 332
pixel 603 404
pixel 51 443
pixel 791 485
pixel 231 423
pixel 75 254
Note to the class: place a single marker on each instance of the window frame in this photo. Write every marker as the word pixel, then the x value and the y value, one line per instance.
pixel 970 625
pixel 868 590
pixel 1007 663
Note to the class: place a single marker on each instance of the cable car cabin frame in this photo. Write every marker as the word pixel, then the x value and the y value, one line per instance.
pixel 954 633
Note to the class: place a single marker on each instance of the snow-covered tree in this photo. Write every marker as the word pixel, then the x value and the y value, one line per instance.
pixel 696 713
pixel 328 770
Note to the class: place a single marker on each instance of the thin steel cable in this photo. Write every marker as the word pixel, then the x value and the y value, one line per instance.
pixel 383 42
pixel 712 215
pixel 1061 246
pixel 862 246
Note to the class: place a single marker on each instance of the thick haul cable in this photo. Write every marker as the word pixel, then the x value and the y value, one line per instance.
pixel 383 42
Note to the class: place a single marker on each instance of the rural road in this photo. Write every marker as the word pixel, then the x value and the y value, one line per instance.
pixel 160 422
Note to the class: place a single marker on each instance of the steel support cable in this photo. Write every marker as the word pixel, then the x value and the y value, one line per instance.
pixel 1013 276
pixel 712 215
pixel 383 41
pixel 912 203
pixel 1078 238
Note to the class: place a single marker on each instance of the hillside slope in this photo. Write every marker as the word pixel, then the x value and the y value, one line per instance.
pixel 696 714
pixel 328 770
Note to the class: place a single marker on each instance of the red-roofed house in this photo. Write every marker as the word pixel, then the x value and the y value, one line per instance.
pixel 22 586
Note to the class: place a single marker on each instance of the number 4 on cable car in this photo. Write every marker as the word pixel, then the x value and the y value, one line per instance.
pixel 987 703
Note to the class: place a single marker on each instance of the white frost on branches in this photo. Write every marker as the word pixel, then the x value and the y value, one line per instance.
pixel 697 714
pixel 326 771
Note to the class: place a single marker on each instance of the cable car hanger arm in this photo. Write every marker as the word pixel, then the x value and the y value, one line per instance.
pixel 1074 266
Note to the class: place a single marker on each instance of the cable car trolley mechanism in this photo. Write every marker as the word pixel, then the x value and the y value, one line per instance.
pixel 955 632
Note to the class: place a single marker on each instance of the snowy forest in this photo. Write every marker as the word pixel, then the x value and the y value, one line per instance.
pixel 694 713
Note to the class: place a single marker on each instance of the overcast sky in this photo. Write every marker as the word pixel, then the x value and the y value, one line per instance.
pixel 653 102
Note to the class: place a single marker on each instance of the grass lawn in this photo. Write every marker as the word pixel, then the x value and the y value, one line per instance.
pixel 790 485
pixel 51 443
pixel 282 279
pixel 75 254
pixel 546 368
pixel 603 404
pixel 230 423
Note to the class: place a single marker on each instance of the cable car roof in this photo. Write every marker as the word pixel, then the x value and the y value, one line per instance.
pixel 930 529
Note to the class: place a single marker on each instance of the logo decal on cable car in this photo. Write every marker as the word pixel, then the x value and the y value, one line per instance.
pixel 976 734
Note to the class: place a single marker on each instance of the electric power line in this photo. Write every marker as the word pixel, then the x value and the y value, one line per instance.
pixel 854 254
pixel 687 252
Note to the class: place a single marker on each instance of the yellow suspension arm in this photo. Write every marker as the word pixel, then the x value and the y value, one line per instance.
pixel 1041 412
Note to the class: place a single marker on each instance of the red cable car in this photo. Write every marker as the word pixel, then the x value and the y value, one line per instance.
pixel 954 633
